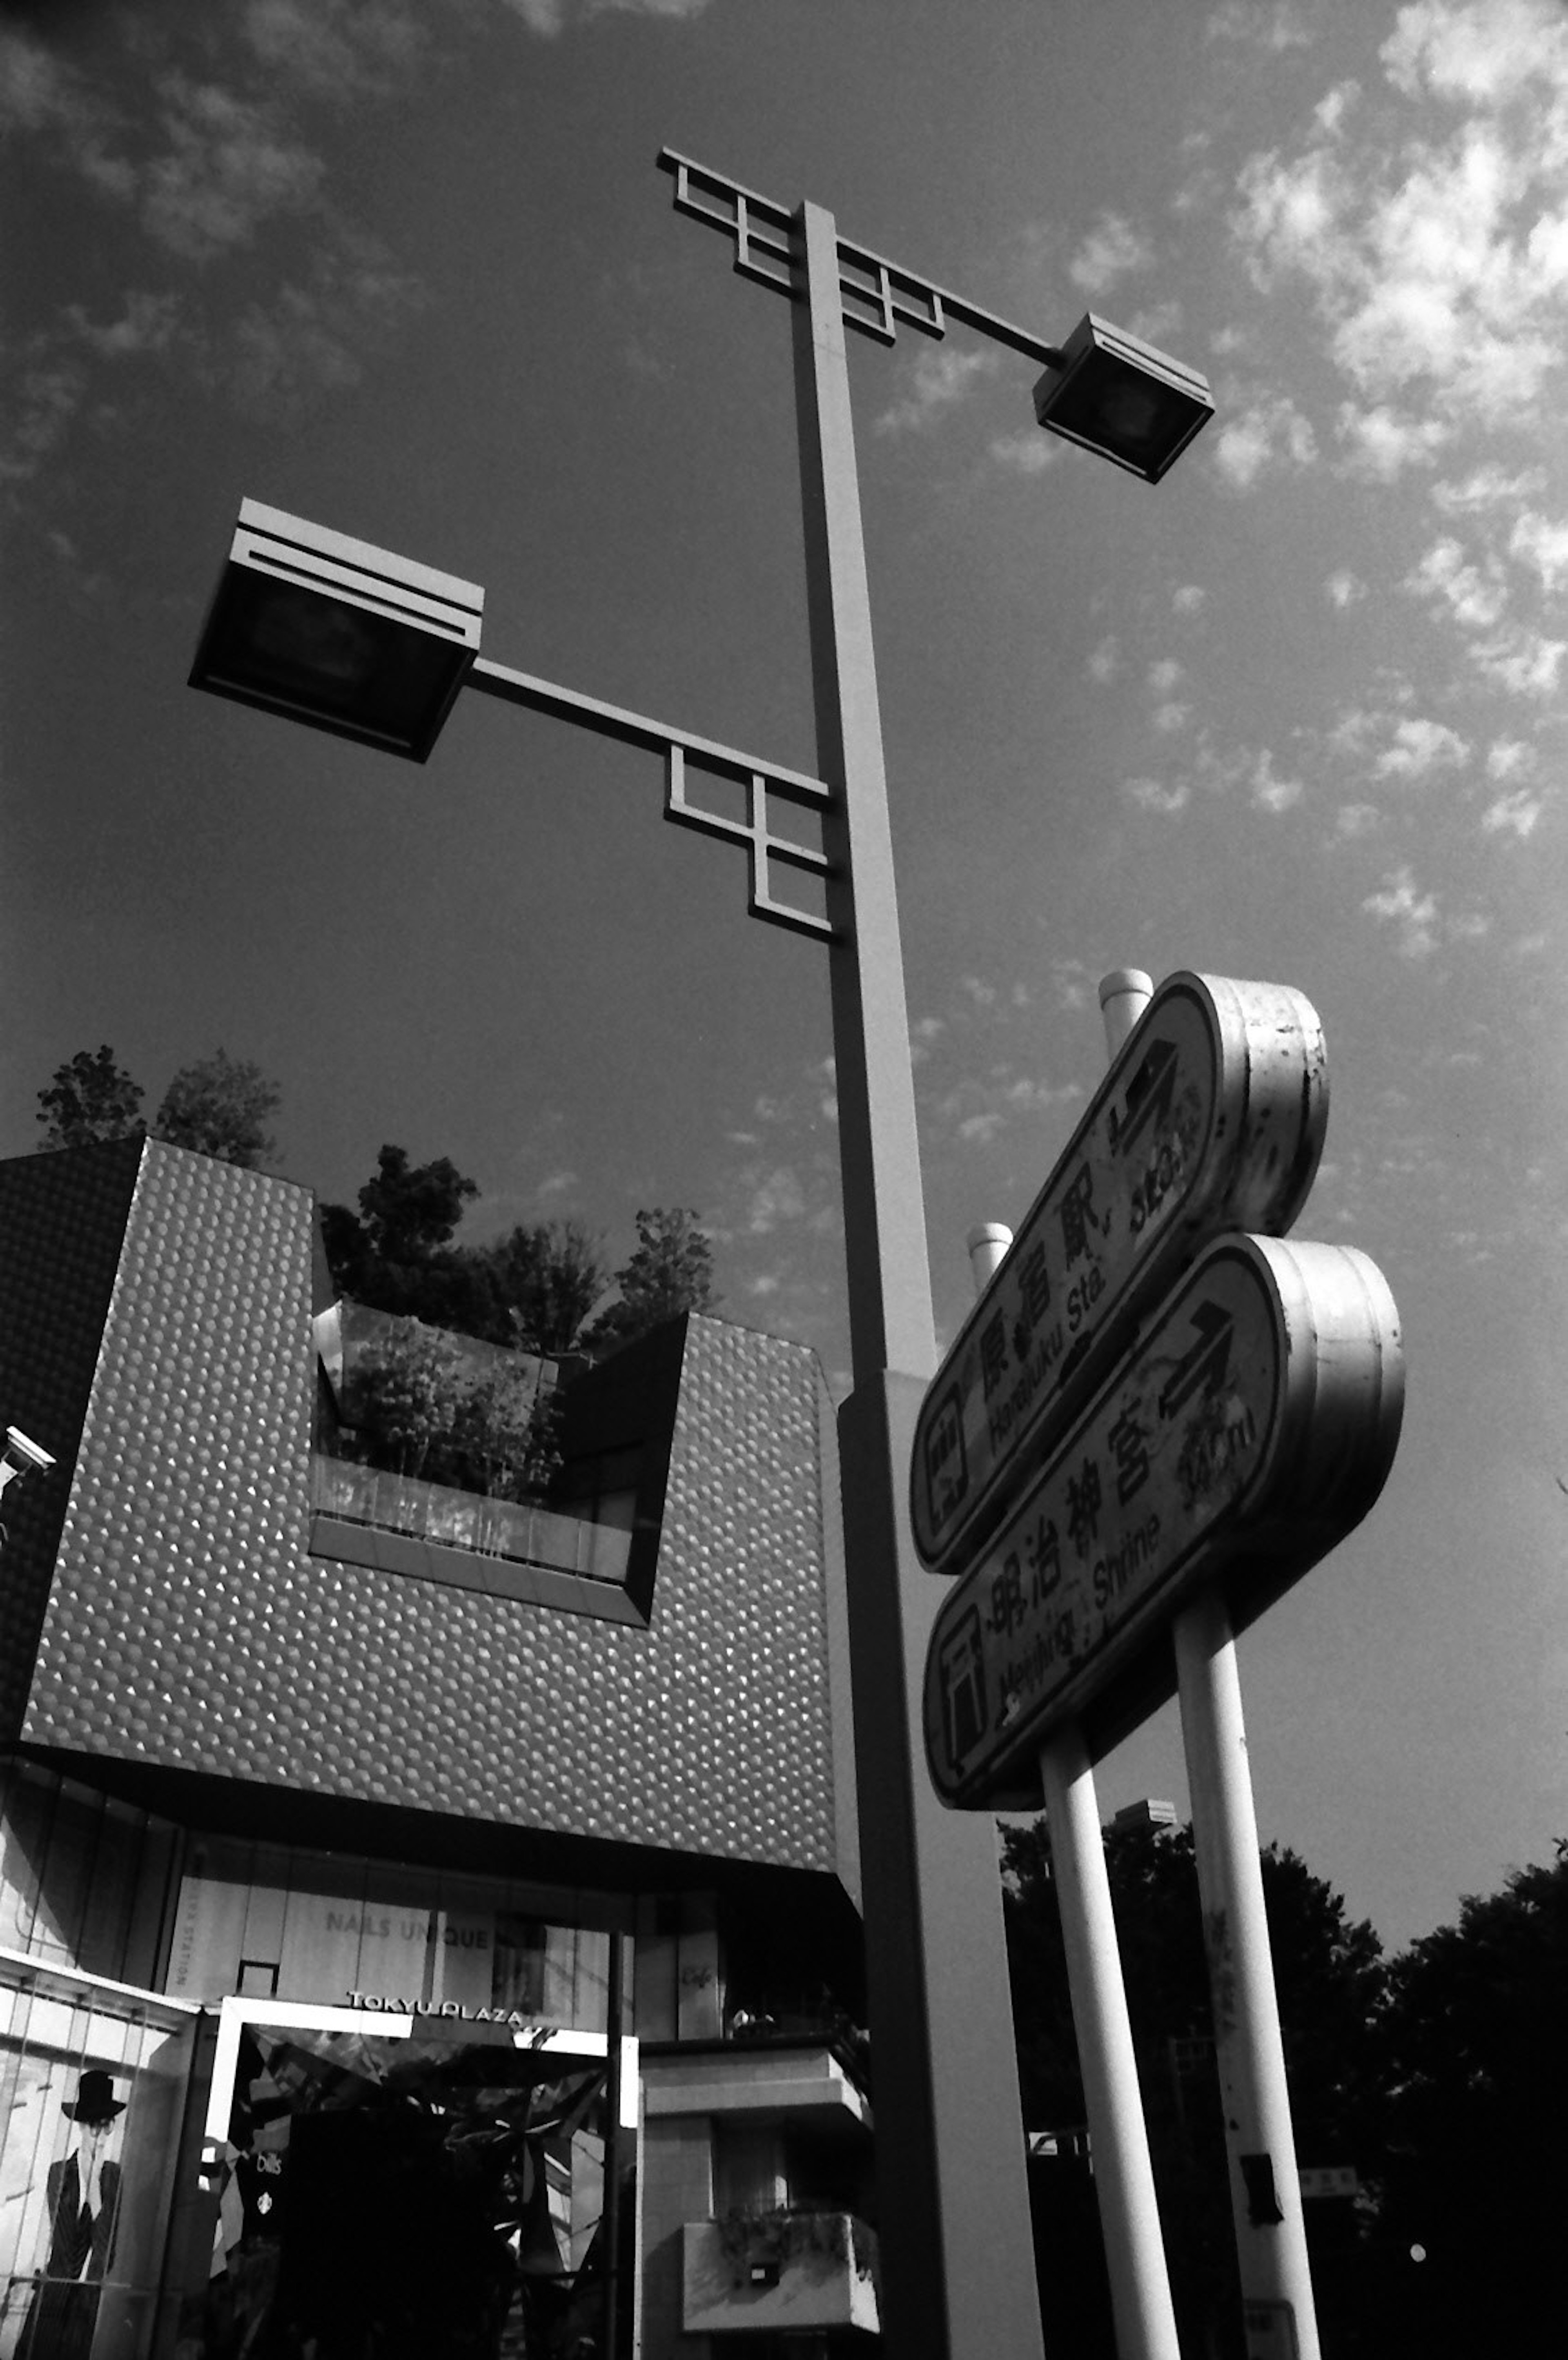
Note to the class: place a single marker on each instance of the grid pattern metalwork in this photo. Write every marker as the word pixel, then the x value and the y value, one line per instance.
pixel 876 293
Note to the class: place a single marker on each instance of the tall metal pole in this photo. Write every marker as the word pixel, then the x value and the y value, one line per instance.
pixel 1278 2313
pixel 1144 2315
pixel 953 2214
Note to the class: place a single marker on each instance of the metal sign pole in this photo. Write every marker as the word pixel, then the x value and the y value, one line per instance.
pixel 1266 2196
pixel 959 2278
pixel 1118 2135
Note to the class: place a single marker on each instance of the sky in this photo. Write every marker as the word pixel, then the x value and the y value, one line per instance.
pixel 407 267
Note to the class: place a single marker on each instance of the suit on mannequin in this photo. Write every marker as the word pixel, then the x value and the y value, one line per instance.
pixel 84 2191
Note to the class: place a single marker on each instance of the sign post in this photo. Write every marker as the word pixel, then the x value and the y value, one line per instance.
pixel 1116 1506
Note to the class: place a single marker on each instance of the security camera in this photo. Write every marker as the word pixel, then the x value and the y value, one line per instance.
pixel 27 1452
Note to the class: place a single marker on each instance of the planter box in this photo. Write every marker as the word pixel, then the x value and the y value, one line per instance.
pixel 800 2273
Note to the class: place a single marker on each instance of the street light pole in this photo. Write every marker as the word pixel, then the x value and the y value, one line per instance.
pixel 354 640
pixel 952 2209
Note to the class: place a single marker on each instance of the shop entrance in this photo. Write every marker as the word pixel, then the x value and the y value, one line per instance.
pixel 411 2188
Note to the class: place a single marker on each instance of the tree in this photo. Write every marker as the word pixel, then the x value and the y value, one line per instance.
pixel 1477 2057
pixel 671 1272
pixel 430 1410
pixel 220 1107
pixel 90 1098
pixel 1330 1979
pixel 546 1281
pixel 394 1254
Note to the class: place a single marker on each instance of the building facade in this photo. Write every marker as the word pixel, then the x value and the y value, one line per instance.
pixel 426 1923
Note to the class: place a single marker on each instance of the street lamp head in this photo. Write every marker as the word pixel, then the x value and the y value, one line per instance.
pixel 1123 399
pixel 329 630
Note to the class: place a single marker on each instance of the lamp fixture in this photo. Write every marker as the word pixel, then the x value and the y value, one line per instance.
pixel 330 630
pixel 1121 399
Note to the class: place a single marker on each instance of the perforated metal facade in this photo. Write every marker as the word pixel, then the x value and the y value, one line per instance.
pixel 188 1626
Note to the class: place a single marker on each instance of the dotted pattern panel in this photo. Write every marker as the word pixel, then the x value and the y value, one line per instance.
pixel 191 1626
pixel 61 1220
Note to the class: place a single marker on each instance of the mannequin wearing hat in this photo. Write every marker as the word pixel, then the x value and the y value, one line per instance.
pixel 83 2206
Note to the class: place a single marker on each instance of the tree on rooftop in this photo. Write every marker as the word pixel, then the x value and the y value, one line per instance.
pixel 90 1098
pixel 547 1280
pixel 221 1107
pixel 671 1272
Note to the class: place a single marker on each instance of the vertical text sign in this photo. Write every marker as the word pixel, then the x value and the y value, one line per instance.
pixel 1210 1119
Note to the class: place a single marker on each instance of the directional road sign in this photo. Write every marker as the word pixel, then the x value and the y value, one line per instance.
pixel 1248 1432
pixel 1210 1119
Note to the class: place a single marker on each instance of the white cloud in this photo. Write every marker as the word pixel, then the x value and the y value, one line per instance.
pixel 1413 912
pixel 1153 796
pixel 1112 249
pixel 1476 598
pixel 1345 588
pixel 1486 487
pixel 1171 717
pixel 1516 813
pixel 1269 431
pixel 1353 821
pixel 1509 757
pixel 779 1196
pixel 1105 660
pixel 1524 661
pixel 1420 748
pixel 1165 674
pixel 549 17
pixel 939 381
pixel 1542 542
pixel 1380 443
pixel 1189 599
pixel 1269 793
pixel 1029 452
pixel 1437 248
pixel 228 165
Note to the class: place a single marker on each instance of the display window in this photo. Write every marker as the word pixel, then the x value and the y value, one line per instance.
pixel 94 2087
pixel 391 2187
pixel 262 1922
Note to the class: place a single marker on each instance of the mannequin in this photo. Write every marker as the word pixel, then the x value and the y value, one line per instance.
pixel 83 2209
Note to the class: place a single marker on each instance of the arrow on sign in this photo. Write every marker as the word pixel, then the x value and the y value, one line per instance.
pixel 1149 1097
pixel 1205 1364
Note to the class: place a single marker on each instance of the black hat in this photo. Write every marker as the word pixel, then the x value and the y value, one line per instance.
pixel 96 2099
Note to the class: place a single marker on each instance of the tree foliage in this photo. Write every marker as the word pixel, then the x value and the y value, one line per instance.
pixel 671 1272
pixel 1477 2048
pixel 536 1286
pixel 90 1098
pixel 1330 1979
pixel 429 1410
pixel 221 1107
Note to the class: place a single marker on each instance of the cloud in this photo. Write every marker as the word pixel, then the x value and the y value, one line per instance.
pixel 939 381
pixel 1400 904
pixel 1112 249
pixel 1165 674
pixel 1270 792
pixel 1105 659
pixel 1420 748
pixel 340 50
pixel 1189 599
pixel 40 94
pixel 1476 598
pixel 1515 813
pixel 1345 588
pixel 549 17
pixel 1380 443
pixel 48 397
pixel 1283 25
pixel 1353 821
pixel 779 1196
pixel 1154 796
pixel 228 166
pixel 1437 248
pixel 1028 452
pixel 1524 661
pixel 1486 487
pixel 1268 433
pixel 1542 543
pixel 305 340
